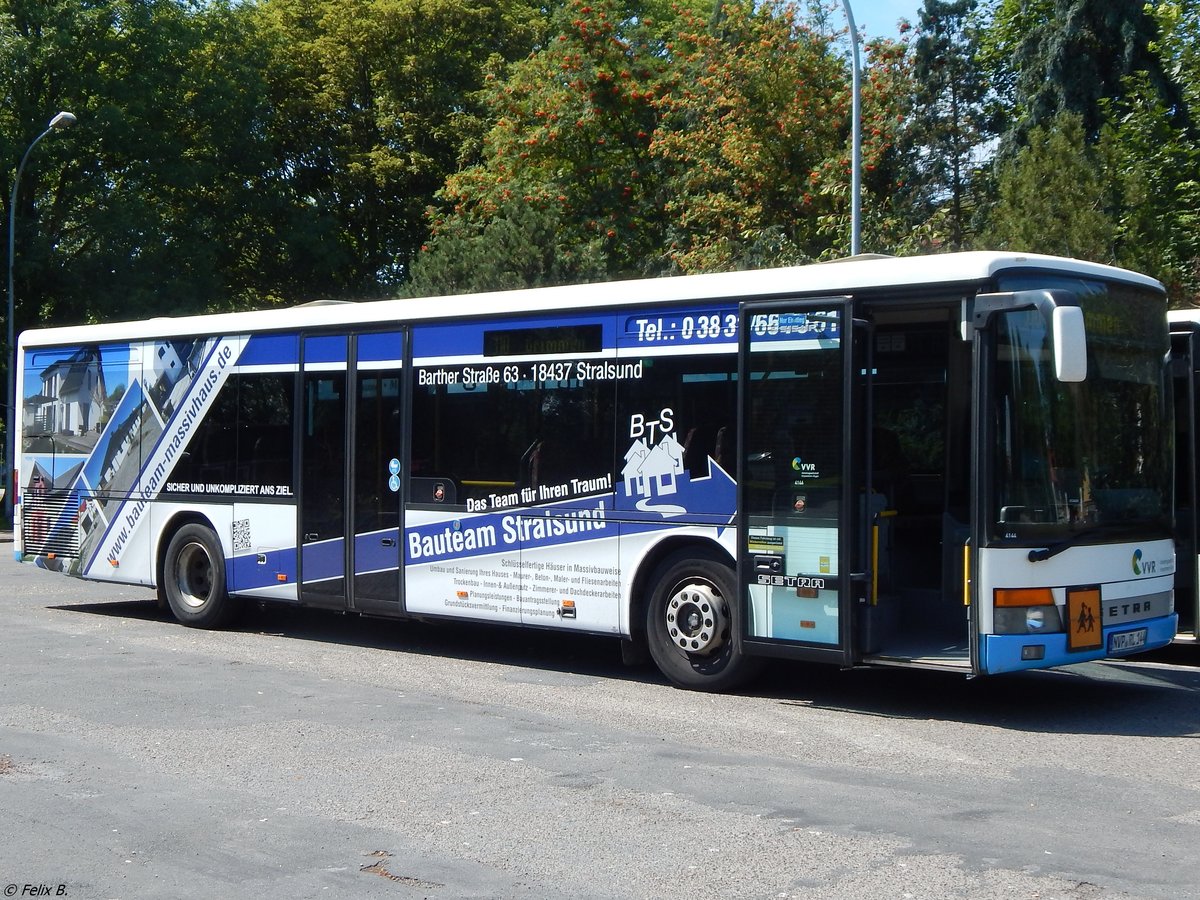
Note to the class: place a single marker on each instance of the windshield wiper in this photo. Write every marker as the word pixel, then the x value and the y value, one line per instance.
pixel 1077 537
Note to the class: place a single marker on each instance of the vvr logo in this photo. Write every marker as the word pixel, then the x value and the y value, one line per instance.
pixel 1142 568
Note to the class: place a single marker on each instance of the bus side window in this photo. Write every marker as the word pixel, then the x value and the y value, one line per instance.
pixel 498 440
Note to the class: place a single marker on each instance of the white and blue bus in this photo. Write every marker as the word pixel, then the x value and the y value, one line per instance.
pixel 959 462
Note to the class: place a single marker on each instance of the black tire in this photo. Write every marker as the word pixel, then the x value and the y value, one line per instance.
pixel 193 579
pixel 691 629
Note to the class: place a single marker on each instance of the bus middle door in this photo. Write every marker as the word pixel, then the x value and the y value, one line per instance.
pixel 375 475
pixel 323 471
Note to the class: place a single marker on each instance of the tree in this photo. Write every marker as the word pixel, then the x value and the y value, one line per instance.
pixel 891 224
pixel 1172 184
pixel 525 244
pixel 1052 56
pixel 1053 196
pixel 946 129
pixel 136 210
pixel 374 103
pixel 754 126
pixel 1154 177
pixel 1178 47
pixel 570 137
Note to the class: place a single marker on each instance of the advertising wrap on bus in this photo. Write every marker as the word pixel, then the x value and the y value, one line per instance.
pixel 561 561
pixel 104 426
pixel 850 464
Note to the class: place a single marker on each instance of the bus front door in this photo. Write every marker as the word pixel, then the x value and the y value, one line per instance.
pixel 797 487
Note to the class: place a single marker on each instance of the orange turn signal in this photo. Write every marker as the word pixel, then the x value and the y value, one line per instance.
pixel 1023 597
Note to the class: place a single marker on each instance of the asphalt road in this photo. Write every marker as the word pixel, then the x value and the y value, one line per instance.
pixel 313 755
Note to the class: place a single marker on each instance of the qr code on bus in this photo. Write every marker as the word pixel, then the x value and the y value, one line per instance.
pixel 241 534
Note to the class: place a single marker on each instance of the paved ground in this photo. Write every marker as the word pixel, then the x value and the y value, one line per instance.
pixel 313 755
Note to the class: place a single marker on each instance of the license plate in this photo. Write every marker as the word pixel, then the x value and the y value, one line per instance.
pixel 1124 641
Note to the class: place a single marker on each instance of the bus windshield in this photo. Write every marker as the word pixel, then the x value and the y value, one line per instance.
pixel 1069 459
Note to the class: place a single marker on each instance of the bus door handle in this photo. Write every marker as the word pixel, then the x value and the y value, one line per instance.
pixel 387 542
pixel 310 536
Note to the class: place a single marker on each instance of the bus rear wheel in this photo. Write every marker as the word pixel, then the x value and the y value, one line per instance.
pixel 193 579
pixel 690 628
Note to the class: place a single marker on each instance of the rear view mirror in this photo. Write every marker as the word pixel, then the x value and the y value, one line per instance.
pixel 1070 343
pixel 1063 317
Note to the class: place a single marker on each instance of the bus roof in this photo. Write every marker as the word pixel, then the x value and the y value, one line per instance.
pixel 847 275
pixel 1183 315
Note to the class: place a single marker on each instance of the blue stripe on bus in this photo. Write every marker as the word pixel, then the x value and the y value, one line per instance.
pixel 246 574
pixel 1002 652
pixel 324 560
pixel 378 347
pixel 371 555
pixel 325 349
pixel 271 349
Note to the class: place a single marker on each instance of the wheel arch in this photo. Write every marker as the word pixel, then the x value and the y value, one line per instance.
pixel 168 530
pixel 661 554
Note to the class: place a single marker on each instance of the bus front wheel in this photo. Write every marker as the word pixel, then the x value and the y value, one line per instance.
pixel 690 629
pixel 193 579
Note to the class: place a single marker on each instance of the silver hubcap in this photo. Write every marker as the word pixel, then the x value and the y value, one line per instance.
pixel 696 618
pixel 193 575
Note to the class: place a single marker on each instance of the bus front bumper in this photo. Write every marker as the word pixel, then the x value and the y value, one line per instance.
pixel 1015 652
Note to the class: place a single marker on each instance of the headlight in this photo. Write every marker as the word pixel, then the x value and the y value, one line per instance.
pixel 1027 620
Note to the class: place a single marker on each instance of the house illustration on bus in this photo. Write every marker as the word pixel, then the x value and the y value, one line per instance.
pixel 653 471
pixel 71 399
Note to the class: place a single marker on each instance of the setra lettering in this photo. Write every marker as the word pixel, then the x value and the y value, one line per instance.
pixel 1126 609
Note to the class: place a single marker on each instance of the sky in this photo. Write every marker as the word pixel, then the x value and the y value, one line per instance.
pixel 878 17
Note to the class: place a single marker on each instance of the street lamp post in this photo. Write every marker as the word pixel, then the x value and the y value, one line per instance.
pixel 855 138
pixel 58 123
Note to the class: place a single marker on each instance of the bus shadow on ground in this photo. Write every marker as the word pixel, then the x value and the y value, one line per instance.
pixel 1118 697
pixel 530 648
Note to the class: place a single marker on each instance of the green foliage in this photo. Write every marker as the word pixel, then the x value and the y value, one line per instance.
pixel 571 134
pixel 1178 47
pixel 726 146
pixel 946 130
pixel 1154 173
pixel 130 212
pixel 521 246
pixel 1058 56
pixel 892 222
pixel 373 103
pixel 1052 197
pixel 753 134
pixel 232 154
pixel 1005 42
pixel 1129 180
